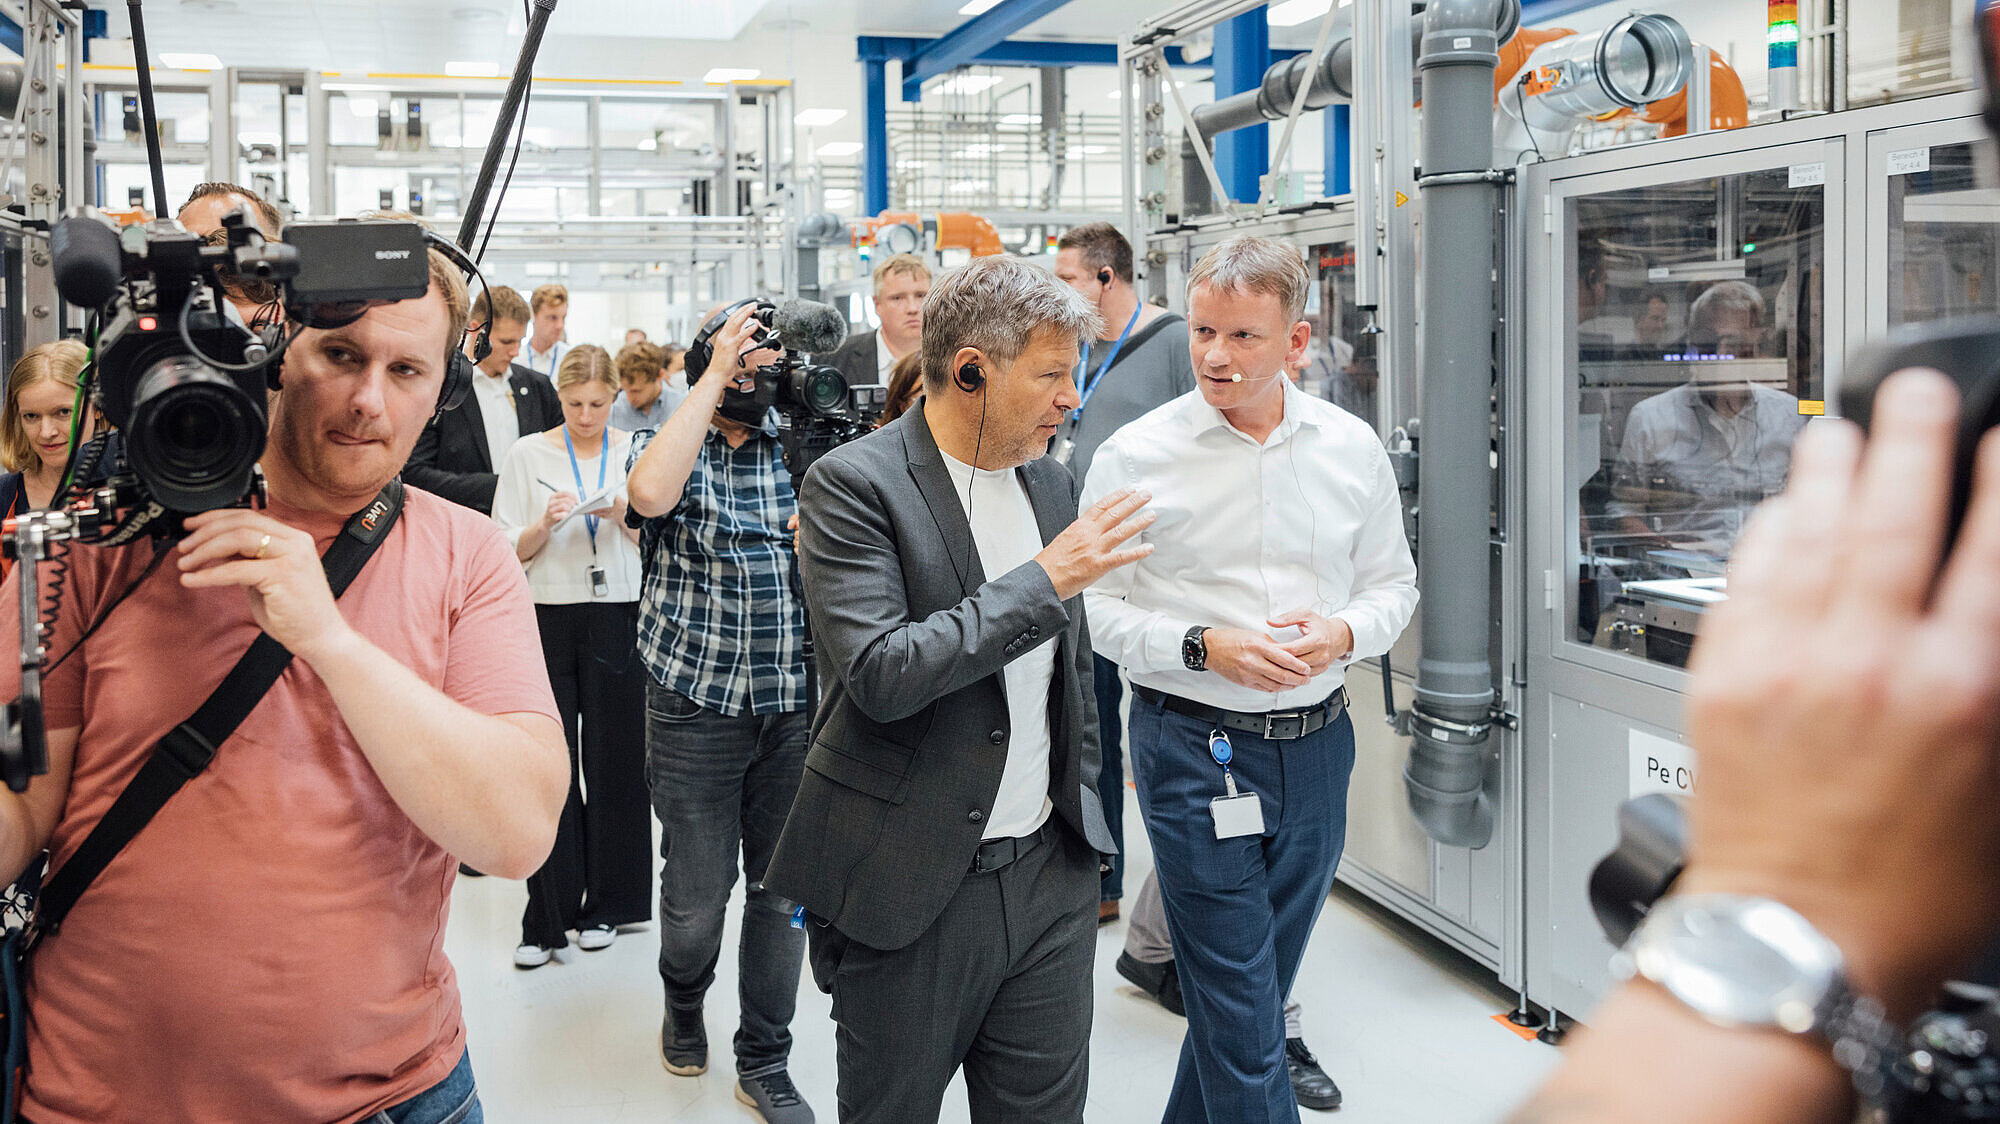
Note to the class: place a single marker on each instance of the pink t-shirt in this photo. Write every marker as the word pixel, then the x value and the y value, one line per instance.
pixel 271 946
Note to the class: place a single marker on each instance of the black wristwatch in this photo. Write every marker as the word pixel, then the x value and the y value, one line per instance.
pixel 1194 650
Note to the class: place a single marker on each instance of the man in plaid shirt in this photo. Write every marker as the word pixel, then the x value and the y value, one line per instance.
pixel 727 711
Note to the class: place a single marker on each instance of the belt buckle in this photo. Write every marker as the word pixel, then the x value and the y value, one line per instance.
pixel 1276 724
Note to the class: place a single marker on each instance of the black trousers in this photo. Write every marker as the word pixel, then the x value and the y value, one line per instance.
pixel 1000 984
pixel 600 872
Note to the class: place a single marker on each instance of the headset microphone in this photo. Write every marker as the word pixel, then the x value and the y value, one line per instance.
pixel 1238 377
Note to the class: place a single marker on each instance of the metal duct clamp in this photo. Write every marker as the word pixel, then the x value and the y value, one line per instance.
pixel 1445 779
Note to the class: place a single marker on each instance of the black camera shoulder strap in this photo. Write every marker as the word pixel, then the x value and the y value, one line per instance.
pixel 188 748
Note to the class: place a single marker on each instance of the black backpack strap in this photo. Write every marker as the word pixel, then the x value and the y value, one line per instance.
pixel 188 748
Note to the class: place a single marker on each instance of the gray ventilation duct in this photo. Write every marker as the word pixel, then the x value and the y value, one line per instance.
pixel 1332 82
pixel 1634 62
pixel 1452 718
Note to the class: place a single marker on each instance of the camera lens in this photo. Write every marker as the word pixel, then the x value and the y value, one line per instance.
pixel 823 390
pixel 195 435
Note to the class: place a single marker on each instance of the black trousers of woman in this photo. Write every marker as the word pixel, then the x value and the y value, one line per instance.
pixel 601 870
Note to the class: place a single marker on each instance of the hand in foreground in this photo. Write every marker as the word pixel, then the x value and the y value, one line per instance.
pixel 1321 640
pixel 1249 658
pixel 1845 706
pixel 277 566
pixel 1088 549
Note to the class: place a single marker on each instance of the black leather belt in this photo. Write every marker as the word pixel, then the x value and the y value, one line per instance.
pixel 996 853
pixel 1277 725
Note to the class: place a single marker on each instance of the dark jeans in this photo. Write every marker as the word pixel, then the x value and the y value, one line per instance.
pixel 451 1101
pixel 1111 775
pixel 720 783
pixel 599 872
pixel 1240 909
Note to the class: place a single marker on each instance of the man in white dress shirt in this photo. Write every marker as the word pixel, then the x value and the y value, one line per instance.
pixel 549 307
pixel 1278 559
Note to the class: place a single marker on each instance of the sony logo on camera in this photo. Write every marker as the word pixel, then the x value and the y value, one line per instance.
pixel 391 255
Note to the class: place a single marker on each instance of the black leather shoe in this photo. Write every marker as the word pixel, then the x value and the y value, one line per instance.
pixel 1161 981
pixel 1310 1084
pixel 684 1043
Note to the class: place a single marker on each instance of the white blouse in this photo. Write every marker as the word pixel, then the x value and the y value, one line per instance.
pixel 536 468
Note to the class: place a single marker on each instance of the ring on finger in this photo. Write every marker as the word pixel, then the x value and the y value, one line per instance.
pixel 262 547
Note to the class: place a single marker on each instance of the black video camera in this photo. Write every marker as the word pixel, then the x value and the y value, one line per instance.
pixel 185 385
pixel 818 410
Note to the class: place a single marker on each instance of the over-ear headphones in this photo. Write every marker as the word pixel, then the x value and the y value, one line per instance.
pixel 702 350
pixel 458 370
pixel 969 378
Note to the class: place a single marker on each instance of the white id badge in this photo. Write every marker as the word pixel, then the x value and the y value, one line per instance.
pixel 1237 815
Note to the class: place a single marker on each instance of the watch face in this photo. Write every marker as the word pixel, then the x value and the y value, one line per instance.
pixel 1740 961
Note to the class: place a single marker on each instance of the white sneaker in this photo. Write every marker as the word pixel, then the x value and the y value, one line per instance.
pixel 596 937
pixel 531 956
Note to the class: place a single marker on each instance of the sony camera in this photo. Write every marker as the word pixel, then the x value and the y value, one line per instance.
pixel 182 382
pixel 818 410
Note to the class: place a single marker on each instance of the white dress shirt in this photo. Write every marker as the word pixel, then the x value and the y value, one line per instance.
pixel 1310 519
pixel 559 574
pixel 885 363
pixel 498 411
pixel 1005 531
pixel 543 363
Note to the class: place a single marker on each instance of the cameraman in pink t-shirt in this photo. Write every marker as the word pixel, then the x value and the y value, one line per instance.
pixel 270 946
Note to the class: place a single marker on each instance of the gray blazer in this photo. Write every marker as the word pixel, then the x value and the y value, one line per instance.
pixel 911 734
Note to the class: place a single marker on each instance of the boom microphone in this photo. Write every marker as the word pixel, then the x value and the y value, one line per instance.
pixel 89 264
pixel 809 326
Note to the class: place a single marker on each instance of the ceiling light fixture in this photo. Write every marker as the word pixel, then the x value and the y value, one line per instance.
pixel 725 74
pixel 977 7
pixel 1292 13
pixel 839 148
pixel 818 118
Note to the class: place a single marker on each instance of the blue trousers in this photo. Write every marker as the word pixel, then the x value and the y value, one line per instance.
pixel 1240 910
pixel 451 1101
pixel 1111 776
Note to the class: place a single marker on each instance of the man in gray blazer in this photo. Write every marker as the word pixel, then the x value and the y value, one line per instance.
pixel 947 833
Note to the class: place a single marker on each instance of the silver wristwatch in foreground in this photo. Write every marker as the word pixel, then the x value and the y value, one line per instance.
pixel 1751 962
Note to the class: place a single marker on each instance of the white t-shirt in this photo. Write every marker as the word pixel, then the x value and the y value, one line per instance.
pixel 1004 528
pixel 498 411
pixel 559 574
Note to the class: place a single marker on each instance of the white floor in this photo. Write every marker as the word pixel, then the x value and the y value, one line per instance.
pixel 1402 1024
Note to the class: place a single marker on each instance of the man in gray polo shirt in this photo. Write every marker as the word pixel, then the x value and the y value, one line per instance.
pixel 1140 363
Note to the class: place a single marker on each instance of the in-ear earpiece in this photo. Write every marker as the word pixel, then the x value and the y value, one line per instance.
pixel 970 378
pixel 1104 277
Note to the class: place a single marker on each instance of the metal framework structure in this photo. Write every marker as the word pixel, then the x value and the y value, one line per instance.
pixel 42 168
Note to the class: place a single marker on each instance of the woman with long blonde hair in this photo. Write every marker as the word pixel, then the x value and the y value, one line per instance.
pixel 35 424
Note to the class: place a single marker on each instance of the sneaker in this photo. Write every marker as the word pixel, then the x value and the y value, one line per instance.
pixel 1310 1084
pixel 1161 981
pixel 684 1043
pixel 774 1097
pixel 531 956
pixel 596 937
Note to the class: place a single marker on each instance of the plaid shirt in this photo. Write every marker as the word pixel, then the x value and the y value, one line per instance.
pixel 719 620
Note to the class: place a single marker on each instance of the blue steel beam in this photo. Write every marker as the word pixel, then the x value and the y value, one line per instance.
pixel 10 36
pixel 1242 54
pixel 964 42
pixel 1338 160
pixel 875 152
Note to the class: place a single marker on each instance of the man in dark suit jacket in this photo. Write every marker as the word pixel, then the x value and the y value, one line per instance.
pixel 454 457
pixel 947 832
pixel 901 283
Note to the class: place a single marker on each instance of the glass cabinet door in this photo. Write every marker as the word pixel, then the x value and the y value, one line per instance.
pixel 1695 334
pixel 1944 235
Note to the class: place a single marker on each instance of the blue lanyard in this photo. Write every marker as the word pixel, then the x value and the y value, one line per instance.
pixel 555 358
pixel 1090 387
pixel 603 458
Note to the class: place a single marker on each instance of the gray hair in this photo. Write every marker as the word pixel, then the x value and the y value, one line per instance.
pixel 1726 296
pixel 997 304
pixel 1249 264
